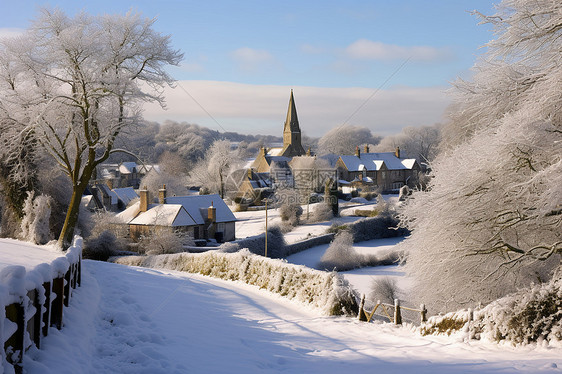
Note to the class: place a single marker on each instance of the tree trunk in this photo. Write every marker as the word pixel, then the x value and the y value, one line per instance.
pixel 67 232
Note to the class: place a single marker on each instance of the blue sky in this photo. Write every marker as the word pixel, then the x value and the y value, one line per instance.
pixel 243 57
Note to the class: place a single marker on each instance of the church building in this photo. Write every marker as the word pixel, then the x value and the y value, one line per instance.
pixel 279 158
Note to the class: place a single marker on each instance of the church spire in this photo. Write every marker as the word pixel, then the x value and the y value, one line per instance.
pixel 291 132
pixel 292 121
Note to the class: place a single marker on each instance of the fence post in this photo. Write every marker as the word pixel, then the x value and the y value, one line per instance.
pixel 34 323
pixel 79 279
pixel 362 316
pixel 397 315
pixel 57 302
pixel 15 313
pixel 67 289
pixel 423 313
pixel 47 314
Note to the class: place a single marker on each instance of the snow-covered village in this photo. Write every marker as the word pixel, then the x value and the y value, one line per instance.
pixel 266 187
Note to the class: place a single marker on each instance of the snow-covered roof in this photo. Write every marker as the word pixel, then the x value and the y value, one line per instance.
pixel 194 204
pixel 409 163
pixel 126 194
pixel 375 161
pixel 274 151
pixel 144 169
pixel 130 213
pixel 164 215
pixel 128 167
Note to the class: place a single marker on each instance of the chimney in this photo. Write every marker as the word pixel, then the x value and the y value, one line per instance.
pixel 250 173
pixel 397 152
pixel 308 152
pixel 162 195
pixel 357 152
pixel 366 148
pixel 109 183
pixel 143 199
pixel 212 213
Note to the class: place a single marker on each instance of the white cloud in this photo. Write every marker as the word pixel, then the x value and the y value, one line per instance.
pixel 251 59
pixel 10 32
pixel 261 109
pixel 364 49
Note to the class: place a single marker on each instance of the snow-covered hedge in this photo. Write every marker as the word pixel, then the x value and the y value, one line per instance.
pixel 529 315
pixel 326 291
pixel 276 245
pixel 381 226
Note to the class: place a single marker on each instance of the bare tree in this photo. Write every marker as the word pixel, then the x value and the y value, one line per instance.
pixel 72 84
pixel 491 220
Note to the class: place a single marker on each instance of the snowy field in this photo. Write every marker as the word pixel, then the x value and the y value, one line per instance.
pixel 253 223
pixel 134 320
pixel 360 279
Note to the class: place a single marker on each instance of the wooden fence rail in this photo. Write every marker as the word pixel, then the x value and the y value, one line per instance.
pixel 28 320
pixel 388 309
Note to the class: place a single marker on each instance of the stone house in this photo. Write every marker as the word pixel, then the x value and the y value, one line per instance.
pixel 386 171
pixel 201 216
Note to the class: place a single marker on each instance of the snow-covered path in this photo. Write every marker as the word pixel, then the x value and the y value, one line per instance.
pixel 132 320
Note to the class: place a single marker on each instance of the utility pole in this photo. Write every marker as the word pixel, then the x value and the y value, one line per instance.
pixel 265 228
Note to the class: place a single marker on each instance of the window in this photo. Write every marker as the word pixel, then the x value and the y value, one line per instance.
pixel 220 227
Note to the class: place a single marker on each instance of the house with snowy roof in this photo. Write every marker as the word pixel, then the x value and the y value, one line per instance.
pixel 383 170
pixel 248 185
pixel 125 174
pixel 201 216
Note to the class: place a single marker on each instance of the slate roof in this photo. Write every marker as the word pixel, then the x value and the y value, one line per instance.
pixel 197 206
pixel 126 194
pixel 375 161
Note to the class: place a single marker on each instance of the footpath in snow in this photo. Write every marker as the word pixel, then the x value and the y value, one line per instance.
pixel 133 320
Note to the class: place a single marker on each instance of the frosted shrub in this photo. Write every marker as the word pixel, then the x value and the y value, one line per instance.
pixel 291 212
pixel 530 315
pixel 101 247
pixel 385 290
pixel 276 245
pixel 382 226
pixel 404 192
pixel 164 241
pixel 229 247
pixel 322 212
pixel 340 255
pixel 35 223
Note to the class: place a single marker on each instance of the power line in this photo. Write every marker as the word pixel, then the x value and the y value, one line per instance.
pixel 201 106
pixel 376 91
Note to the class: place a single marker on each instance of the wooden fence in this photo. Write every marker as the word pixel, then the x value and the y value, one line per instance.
pixel 29 319
pixel 392 312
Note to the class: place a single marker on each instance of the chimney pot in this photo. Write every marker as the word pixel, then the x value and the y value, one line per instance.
pixel 143 199
pixel 162 194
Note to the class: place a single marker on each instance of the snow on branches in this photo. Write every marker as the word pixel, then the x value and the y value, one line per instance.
pixel 492 219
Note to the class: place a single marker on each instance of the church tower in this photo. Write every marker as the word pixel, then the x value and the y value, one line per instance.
pixel 292 133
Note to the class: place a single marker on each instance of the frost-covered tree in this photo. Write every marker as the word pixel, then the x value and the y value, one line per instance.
pixel 344 139
pixel 420 143
pixel 35 225
pixel 72 84
pixel 212 171
pixel 491 221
